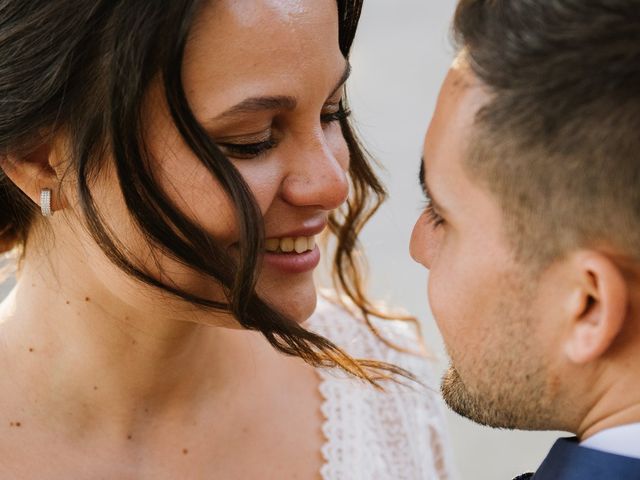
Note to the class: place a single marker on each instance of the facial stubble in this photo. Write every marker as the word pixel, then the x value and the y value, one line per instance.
pixel 505 383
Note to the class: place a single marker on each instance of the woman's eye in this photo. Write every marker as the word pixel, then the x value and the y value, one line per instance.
pixel 337 116
pixel 247 151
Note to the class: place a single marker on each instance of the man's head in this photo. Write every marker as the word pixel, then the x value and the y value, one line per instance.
pixel 532 232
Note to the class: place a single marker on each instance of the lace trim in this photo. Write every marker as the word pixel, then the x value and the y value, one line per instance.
pixel 371 435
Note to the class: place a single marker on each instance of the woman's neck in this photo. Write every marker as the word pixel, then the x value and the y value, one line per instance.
pixel 87 359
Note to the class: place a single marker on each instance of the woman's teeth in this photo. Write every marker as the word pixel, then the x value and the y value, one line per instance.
pixel 290 244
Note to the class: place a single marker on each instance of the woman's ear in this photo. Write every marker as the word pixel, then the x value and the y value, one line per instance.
pixel 39 169
pixel 597 306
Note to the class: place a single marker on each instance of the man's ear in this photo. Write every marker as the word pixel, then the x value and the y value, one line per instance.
pixel 597 306
pixel 36 170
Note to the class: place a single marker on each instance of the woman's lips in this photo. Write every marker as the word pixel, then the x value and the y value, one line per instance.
pixel 293 262
pixel 296 252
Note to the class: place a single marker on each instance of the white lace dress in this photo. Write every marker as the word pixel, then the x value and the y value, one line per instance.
pixel 399 434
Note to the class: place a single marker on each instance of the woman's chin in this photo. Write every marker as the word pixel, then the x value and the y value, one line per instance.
pixel 300 312
pixel 296 302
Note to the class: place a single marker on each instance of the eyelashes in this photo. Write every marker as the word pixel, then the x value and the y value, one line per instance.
pixel 247 151
pixel 340 115
pixel 433 218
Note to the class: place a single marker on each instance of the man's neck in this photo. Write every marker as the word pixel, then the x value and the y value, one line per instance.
pixel 619 405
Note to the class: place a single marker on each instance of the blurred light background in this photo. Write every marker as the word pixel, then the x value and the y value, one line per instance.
pixel 401 55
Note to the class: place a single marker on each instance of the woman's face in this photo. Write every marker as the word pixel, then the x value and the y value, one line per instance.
pixel 264 78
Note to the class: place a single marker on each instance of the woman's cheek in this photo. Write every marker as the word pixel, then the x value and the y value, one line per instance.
pixel 202 199
pixel 338 145
pixel 263 177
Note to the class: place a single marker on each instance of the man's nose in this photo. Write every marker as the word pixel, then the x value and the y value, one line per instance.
pixel 418 246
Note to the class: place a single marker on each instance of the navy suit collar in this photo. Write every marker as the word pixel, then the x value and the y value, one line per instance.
pixel 567 460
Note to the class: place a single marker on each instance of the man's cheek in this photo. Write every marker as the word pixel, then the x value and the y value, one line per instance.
pixel 445 311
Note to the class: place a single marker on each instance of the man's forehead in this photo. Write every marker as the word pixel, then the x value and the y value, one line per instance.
pixel 460 73
pixel 460 98
pixel 462 83
pixel 452 128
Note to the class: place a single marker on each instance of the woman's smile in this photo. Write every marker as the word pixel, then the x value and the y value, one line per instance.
pixel 294 262
pixel 293 251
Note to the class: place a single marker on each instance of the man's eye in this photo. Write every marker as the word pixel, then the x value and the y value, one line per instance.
pixel 247 151
pixel 434 219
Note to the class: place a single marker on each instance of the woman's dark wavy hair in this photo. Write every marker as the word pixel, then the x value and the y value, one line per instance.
pixel 85 67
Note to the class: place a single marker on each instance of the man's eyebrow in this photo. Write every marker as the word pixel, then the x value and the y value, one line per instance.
pixel 277 102
pixel 422 179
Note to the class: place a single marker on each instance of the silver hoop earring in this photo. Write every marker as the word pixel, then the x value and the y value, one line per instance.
pixel 45 202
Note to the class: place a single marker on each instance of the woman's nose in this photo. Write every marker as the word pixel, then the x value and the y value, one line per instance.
pixel 317 177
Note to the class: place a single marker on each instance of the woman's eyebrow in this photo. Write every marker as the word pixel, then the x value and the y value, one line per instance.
pixel 343 79
pixel 258 104
pixel 278 102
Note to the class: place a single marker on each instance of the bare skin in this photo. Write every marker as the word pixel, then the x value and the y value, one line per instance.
pixel 181 415
pixel 105 378
pixel 560 352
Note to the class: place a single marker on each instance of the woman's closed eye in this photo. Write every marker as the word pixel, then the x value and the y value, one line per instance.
pixel 339 114
pixel 246 151
pixel 255 146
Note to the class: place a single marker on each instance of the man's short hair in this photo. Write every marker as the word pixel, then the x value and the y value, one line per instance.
pixel 558 143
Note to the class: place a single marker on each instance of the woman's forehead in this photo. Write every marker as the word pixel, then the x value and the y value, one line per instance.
pixel 264 47
pixel 256 27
